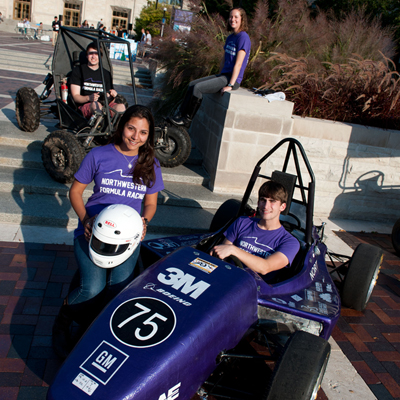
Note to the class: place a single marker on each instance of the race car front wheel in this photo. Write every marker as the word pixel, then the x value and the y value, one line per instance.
pixel 62 155
pixel 178 148
pixel 396 236
pixel 27 109
pixel 361 276
pixel 298 373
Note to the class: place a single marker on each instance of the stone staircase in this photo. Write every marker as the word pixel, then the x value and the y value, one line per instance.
pixel 11 58
pixel 28 196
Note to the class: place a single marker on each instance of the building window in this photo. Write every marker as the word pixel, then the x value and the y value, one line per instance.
pixel 120 19
pixel 22 9
pixel 72 14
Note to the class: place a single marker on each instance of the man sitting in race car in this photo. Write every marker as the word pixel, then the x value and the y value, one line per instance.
pixel 262 245
pixel 87 87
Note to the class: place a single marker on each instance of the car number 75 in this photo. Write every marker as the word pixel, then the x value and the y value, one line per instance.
pixel 148 321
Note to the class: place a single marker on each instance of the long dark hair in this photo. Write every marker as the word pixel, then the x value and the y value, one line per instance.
pixel 143 172
pixel 243 22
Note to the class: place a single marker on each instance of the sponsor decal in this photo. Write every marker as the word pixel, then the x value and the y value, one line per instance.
pixel 309 308
pixel 326 296
pixel 203 265
pixel 178 280
pixel 329 287
pixel 292 304
pixel 84 383
pixel 280 301
pixel 318 287
pixel 172 393
pixel 162 244
pixel 153 287
pixel 110 223
pixel 310 295
pixel 142 322
pixel 295 297
pixel 323 308
pixel 104 362
pixel 314 269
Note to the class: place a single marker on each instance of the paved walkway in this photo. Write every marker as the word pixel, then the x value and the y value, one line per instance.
pixel 34 278
pixel 371 339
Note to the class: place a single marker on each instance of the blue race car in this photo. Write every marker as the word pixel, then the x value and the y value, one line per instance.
pixel 194 326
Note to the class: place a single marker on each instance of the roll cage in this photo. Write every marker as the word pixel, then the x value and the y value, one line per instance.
pixel 70 51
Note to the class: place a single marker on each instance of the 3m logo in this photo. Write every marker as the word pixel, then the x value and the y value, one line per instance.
pixel 104 362
pixel 178 280
pixel 172 394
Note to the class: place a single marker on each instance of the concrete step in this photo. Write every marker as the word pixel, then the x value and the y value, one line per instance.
pixel 42 63
pixel 56 211
pixel 183 187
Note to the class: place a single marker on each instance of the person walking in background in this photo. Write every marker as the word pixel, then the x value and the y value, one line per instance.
pixel 56 27
pixel 1 17
pixel 99 24
pixel 237 50
pixel 148 38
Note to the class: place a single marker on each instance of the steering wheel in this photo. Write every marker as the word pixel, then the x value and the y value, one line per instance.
pixel 234 260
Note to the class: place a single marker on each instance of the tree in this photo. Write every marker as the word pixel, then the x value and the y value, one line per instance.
pixel 150 18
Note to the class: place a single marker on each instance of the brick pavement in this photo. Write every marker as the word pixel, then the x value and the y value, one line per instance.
pixel 371 339
pixel 34 278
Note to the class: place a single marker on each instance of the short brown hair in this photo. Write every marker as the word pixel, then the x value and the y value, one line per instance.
pixel 93 45
pixel 273 190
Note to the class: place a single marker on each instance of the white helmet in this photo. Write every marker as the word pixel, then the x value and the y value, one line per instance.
pixel 116 234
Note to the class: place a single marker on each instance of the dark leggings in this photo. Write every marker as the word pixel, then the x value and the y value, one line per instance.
pixel 209 84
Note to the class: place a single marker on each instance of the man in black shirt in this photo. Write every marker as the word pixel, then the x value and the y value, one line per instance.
pixel 87 87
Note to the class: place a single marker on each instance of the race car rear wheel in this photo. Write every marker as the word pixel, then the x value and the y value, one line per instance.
pixel 361 276
pixel 62 155
pixel 298 373
pixel 179 147
pixel 27 109
pixel 225 212
pixel 396 237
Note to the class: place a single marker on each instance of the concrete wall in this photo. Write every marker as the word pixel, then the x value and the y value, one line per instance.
pixel 356 167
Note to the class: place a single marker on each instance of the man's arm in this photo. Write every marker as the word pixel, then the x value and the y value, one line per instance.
pixel 78 98
pixel 260 265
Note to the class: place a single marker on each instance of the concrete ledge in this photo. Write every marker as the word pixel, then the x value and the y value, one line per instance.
pixel 355 166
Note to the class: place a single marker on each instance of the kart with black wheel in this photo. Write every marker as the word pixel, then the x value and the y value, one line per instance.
pixel 62 155
pixel 172 145
pixel 396 237
pixel 27 109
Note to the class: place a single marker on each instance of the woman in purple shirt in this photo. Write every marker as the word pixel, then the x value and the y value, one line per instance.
pixel 237 50
pixel 124 172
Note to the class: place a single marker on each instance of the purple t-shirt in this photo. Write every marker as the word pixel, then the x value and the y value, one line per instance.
pixel 245 234
pixel 112 181
pixel 235 43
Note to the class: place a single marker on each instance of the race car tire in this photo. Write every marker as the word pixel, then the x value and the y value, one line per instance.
pixel 361 276
pixel 179 148
pixel 298 373
pixel 27 109
pixel 396 237
pixel 225 212
pixel 62 155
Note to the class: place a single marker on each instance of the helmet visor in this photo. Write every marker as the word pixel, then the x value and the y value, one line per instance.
pixel 106 249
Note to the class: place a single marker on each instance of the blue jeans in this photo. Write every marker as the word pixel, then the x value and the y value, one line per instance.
pixel 98 285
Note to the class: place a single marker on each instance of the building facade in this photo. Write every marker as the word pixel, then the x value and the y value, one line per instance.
pixel 113 12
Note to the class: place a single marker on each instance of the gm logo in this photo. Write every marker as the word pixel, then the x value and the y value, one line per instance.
pixel 104 362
